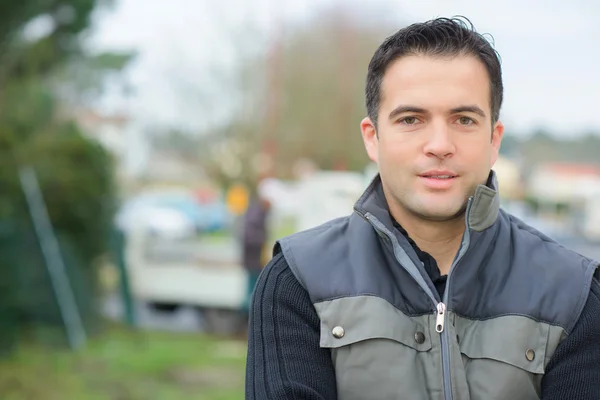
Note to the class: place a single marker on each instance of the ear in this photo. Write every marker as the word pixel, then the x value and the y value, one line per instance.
pixel 497 134
pixel 370 139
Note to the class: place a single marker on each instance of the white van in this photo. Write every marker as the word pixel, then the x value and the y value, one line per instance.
pixel 206 276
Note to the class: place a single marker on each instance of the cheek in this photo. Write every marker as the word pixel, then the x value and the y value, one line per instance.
pixel 394 152
pixel 480 162
pixel 478 152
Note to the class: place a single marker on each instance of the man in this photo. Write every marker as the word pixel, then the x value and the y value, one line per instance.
pixel 428 290
pixel 254 239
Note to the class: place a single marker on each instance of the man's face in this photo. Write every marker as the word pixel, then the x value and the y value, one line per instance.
pixel 435 139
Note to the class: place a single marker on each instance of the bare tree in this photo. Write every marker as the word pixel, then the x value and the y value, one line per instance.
pixel 300 97
pixel 315 101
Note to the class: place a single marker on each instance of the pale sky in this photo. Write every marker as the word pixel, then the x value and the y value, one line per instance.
pixel 549 50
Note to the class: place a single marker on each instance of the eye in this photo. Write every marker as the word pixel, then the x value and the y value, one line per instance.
pixel 409 120
pixel 465 121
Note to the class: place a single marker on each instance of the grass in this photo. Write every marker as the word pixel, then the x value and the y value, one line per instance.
pixel 123 364
pixel 216 237
pixel 280 227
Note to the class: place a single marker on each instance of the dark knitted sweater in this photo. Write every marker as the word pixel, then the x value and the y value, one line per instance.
pixel 285 360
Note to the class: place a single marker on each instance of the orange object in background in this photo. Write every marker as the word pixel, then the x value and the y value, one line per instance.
pixel 237 199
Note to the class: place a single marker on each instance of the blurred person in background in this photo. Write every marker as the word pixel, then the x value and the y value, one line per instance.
pixel 254 237
pixel 428 290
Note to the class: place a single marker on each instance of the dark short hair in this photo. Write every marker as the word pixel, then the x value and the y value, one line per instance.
pixel 438 37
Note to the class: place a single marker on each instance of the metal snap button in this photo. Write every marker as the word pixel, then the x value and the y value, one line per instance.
pixel 338 332
pixel 530 355
pixel 420 337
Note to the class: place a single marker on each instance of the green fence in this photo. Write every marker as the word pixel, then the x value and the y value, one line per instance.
pixel 49 292
pixel 29 302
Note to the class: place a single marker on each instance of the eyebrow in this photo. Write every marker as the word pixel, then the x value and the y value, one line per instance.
pixel 406 109
pixel 413 109
pixel 469 109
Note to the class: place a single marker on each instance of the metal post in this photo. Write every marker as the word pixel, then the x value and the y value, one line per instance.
pixel 54 261
pixel 119 252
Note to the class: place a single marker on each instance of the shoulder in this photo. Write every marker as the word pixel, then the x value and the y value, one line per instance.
pixel 544 254
pixel 306 250
pixel 318 232
pixel 562 276
pixel 278 294
pixel 275 269
pixel 284 358
pixel 538 241
pixel 277 282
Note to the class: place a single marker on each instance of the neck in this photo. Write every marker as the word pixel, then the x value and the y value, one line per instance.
pixel 441 239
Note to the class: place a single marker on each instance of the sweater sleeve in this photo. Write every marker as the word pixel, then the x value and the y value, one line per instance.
pixel 574 371
pixel 284 359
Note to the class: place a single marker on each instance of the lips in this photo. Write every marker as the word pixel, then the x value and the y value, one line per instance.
pixel 438 179
pixel 439 176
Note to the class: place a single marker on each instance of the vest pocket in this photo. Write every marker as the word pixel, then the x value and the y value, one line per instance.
pixel 515 340
pixel 378 352
pixel 512 349
pixel 350 320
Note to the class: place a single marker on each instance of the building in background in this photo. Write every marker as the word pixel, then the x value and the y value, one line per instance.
pixel 570 191
pixel 510 179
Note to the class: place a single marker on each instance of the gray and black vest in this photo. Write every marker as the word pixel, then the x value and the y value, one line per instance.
pixel 512 296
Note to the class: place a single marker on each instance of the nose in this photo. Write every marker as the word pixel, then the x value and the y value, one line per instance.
pixel 439 143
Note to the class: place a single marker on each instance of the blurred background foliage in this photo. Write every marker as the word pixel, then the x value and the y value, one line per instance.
pixel 44 72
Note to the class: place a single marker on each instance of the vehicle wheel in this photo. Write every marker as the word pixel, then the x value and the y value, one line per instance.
pixel 163 307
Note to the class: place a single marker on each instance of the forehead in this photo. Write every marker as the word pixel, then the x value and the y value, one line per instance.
pixel 436 82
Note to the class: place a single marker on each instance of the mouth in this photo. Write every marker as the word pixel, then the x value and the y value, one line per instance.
pixel 438 180
pixel 438 176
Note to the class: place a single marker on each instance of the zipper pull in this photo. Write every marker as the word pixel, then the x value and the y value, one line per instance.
pixel 439 322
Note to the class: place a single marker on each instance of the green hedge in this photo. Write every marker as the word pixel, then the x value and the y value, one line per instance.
pixel 77 180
